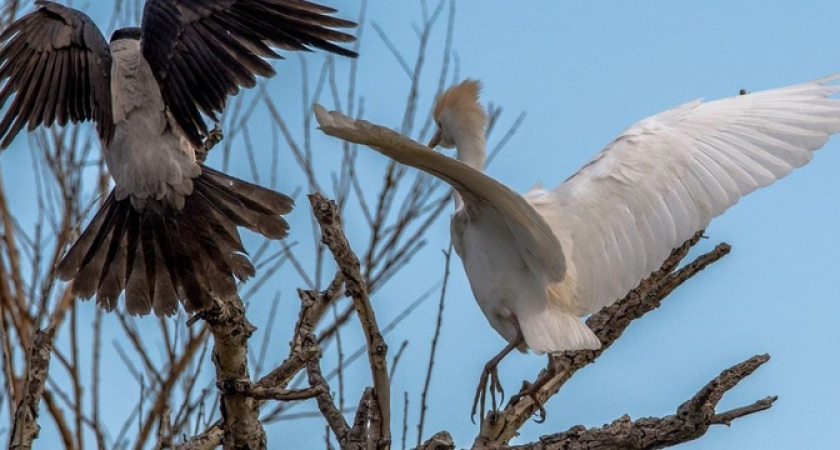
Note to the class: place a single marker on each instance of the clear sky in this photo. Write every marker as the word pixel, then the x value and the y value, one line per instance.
pixel 583 71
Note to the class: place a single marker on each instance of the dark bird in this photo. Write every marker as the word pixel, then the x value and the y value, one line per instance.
pixel 168 229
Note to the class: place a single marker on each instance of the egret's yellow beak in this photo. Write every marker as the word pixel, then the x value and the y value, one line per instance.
pixel 435 139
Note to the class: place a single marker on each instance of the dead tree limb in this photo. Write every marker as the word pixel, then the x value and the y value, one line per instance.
pixel 208 440
pixel 691 421
pixel 325 401
pixel 240 413
pixel 333 237
pixel 26 426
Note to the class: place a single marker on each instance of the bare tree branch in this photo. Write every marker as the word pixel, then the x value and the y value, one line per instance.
pixel 333 237
pixel 208 440
pixel 240 416
pixel 691 421
pixel 26 427
pixel 328 409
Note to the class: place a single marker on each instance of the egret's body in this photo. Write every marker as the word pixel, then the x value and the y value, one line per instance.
pixel 518 297
pixel 539 261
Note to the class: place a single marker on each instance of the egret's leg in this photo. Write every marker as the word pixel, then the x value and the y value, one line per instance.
pixel 489 380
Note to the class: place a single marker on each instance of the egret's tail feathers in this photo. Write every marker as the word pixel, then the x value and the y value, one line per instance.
pixel 554 331
pixel 162 255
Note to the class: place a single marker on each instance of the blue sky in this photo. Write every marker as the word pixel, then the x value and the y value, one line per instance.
pixel 583 71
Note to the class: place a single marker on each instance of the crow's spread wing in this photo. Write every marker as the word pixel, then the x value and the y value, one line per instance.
pixel 56 65
pixel 203 51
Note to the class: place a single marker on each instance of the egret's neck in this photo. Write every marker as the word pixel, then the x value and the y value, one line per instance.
pixel 470 150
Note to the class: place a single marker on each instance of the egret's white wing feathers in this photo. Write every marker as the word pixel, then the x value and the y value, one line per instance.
pixel 618 218
pixel 666 177
pixel 477 189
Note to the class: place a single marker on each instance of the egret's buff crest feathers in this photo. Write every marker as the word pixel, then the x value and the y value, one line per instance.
pixel 461 101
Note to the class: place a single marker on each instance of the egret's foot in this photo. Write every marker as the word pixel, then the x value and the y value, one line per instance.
pixel 489 381
pixel 531 390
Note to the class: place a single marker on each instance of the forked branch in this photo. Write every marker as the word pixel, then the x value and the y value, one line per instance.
pixel 691 421
pixel 333 237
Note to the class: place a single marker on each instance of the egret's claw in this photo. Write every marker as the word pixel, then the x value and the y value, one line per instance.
pixel 489 381
pixel 531 390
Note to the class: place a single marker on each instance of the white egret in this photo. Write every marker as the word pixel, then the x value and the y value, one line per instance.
pixel 538 262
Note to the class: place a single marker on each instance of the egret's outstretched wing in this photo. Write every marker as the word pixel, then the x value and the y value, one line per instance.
pixel 666 177
pixel 57 65
pixel 476 188
pixel 201 51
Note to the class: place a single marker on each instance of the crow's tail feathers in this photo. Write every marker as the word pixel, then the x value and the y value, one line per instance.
pixel 161 255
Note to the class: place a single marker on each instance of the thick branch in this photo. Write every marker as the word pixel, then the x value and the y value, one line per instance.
pixel 692 420
pixel 240 415
pixel 333 236
pixel 208 440
pixel 440 441
pixel 26 426
pixel 365 412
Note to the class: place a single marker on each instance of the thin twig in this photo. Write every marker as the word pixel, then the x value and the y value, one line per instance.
pixel 325 402
pixel 438 325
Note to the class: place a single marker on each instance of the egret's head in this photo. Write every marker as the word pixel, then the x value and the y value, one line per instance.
pixel 458 114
